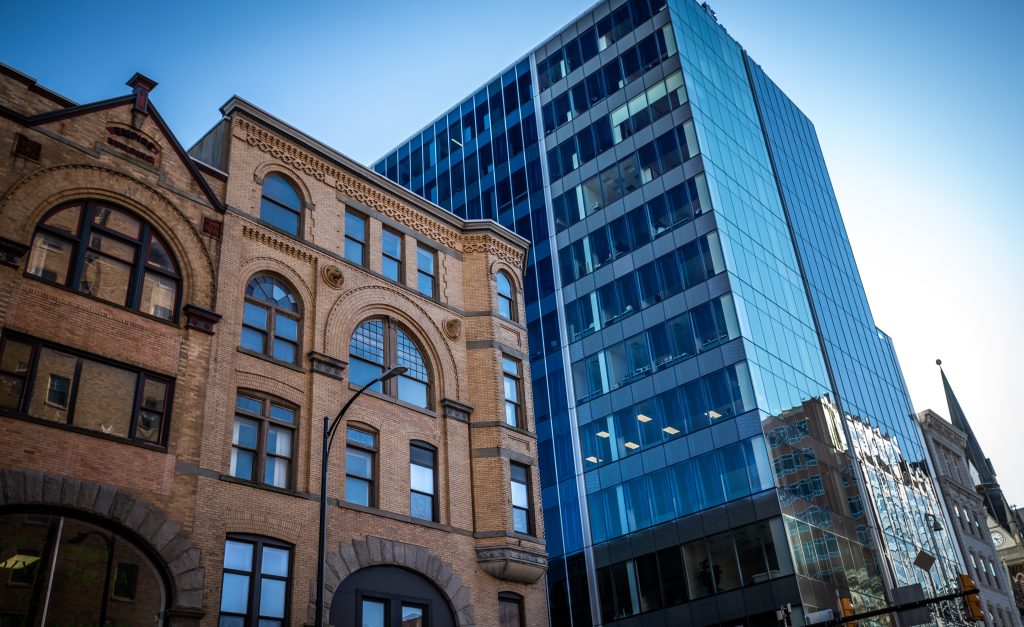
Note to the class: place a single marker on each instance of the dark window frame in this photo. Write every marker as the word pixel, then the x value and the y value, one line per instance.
pixel 389 388
pixel 527 482
pixel 420 272
pixel 143 375
pixel 273 311
pixel 139 266
pixel 373 451
pixel 509 299
pixel 298 211
pixel 517 379
pixel 361 242
pixel 265 420
pixel 256 576
pixel 398 260
pixel 432 450
pixel 512 598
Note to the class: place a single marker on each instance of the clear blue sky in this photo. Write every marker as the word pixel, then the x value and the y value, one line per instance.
pixel 917 104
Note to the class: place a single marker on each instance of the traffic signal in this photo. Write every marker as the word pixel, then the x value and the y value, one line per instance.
pixel 974 611
pixel 846 607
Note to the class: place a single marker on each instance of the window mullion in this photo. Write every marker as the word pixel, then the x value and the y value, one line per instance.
pixel 139 268
pixel 81 247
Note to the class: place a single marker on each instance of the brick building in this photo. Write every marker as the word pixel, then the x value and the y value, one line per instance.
pixel 175 326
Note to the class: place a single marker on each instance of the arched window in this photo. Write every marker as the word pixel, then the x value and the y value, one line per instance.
pixel 270 320
pixel 82 572
pixel 506 299
pixel 379 344
pixel 280 205
pixel 102 250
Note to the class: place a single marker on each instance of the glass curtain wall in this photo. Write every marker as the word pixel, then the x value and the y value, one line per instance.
pixel 864 366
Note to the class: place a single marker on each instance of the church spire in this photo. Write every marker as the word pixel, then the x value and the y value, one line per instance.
pixel 988 485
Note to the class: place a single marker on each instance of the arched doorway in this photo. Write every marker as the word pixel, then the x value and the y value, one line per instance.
pixel 61 567
pixel 389 596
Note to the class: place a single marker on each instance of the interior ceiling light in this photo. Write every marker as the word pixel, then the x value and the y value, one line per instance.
pixel 602 434
pixel 670 430
pixel 631 445
pixel 643 418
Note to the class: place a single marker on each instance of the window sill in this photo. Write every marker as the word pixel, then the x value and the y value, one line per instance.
pixel 392 399
pixel 124 308
pixel 285 364
pixel 376 511
pixel 156 448
pixel 281 231
pixel 263 486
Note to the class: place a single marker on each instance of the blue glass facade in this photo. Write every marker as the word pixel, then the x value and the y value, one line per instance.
pixel 866 373
pixel 699 421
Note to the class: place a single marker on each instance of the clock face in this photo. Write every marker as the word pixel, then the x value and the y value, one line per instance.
pixel 998 539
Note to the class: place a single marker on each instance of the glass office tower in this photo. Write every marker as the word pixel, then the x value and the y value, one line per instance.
pixel 721 428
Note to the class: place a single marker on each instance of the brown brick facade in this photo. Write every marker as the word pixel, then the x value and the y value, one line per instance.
pixel 177 499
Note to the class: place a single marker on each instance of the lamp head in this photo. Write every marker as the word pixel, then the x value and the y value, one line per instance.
pixel 394 372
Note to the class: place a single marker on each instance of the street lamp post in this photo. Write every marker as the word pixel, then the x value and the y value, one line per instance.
pixel 934 526
pixel 329 429
pixel 109 540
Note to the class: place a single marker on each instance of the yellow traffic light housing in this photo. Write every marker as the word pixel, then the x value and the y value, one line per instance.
pixel 846 607
pixel 973 601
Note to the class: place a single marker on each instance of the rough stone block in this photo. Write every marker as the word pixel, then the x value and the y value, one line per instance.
pixel 185 562
pixel 87 494
pixel 121 505
pixel 52 489
pixel 348 554
pixel 69 491
pixel 33 487
pixel 104 500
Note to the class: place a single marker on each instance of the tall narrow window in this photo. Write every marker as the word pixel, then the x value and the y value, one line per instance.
pixel 513 392
pixel 107 253
pixel 522 512
pixel 270 319
pixel 355 238
pixel 426 271
pixel 510 609
pixel 280 205
pixel 261 443
pixel 380 344
pixel 391 255
pixel 422 481
pixel 360 467
pixel 256 582
pixel 506 301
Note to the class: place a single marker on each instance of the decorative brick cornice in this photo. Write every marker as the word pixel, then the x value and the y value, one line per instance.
pixel 11 252
pixel 456 410
pixel 263 237
pixel 327 366
pixel 345 183
pixel 200 319
pixel 494 246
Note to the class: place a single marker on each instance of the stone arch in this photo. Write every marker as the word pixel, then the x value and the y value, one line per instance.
pixel 151 526
pixel 30 198
pixel 374 551
pixel 354 306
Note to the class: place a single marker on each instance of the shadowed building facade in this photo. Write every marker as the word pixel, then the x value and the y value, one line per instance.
pixel 722 428
pixel 173 327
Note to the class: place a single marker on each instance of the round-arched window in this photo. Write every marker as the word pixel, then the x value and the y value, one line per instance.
pixel 107 252
pixel 380 344
pixel 270 319
pixel 280 205
pixel 506 298
pixel 76 572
